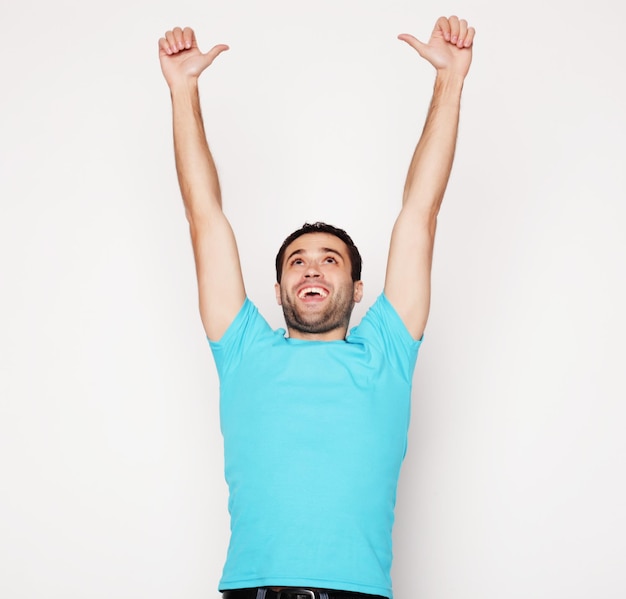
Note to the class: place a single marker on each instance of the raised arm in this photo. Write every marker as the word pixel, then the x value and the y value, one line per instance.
pixel 407 283
pixel 220 284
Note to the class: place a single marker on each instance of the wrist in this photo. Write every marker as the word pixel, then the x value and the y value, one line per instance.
pixel 449 81
pixel 187 86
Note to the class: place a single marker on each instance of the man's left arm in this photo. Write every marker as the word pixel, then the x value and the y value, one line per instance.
pixel 407 282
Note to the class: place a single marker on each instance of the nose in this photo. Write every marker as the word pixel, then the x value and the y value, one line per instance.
pixel 312 272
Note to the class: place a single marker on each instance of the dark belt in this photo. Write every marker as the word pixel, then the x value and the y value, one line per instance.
pixel 295 593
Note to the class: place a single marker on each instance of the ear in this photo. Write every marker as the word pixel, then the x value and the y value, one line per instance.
pixel 277 291
pixel 357 296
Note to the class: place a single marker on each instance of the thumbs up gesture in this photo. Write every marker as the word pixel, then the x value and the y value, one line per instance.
pixel 449 48
pixel 180 57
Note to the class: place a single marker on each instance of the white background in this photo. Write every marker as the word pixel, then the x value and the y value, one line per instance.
pixel 110 451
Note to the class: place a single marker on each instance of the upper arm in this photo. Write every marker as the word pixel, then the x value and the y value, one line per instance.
pixel 407 282
pixel 221 289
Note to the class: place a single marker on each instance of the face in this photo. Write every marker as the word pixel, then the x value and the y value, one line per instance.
pixel 316 291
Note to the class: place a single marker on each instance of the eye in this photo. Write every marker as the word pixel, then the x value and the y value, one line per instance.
pixel 296 262
pixel 330 260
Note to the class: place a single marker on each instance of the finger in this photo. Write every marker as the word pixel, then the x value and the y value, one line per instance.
pixel 213 53
pixel 443 25
pixel 189 38
pixel 462 32
pixel 171 42
pixel 454 29
pixel 164 47
pixel 178 38
pixel 412 41
pixel 469 38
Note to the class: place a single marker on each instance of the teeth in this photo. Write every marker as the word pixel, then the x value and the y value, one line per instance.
pixel 317 290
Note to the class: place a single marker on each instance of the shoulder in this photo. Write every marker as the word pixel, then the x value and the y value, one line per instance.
pixel 249 329
pixel 383 329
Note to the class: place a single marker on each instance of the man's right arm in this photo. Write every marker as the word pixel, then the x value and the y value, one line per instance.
pixel 220 282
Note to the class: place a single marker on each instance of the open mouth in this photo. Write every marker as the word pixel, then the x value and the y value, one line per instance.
pixel 312 292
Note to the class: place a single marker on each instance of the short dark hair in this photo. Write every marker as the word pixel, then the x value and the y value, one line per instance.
pixel 318 227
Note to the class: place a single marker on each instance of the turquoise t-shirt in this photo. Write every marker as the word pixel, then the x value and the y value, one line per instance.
pixel 314 436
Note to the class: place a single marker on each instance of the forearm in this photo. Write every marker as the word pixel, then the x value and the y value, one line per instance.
pixel 430 167
pixel 197 175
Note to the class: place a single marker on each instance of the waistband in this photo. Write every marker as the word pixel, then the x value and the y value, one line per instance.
pixel 295 593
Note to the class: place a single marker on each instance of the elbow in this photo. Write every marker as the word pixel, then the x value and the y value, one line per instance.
pixel 419 218
pixel 198 218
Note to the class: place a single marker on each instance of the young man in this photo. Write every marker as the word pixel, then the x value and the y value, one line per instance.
pixel 314 423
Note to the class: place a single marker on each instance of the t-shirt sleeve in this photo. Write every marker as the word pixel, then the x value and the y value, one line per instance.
pixel 383 330
pixel 247 327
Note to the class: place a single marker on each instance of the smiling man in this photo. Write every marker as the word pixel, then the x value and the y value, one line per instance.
pixel 314 418
pixel 317 284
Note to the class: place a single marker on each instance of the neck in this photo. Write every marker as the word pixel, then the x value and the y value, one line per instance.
pixel 338 334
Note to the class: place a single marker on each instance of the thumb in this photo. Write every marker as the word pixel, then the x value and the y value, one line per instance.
pixel 213 53
pixel 413 42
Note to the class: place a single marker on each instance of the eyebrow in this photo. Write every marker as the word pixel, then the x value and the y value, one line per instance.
pixel 323 251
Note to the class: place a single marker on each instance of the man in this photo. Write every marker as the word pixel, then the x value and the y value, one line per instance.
pixel 314 423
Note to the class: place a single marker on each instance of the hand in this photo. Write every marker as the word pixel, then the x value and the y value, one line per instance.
pixel 449 49
pixel 180 58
